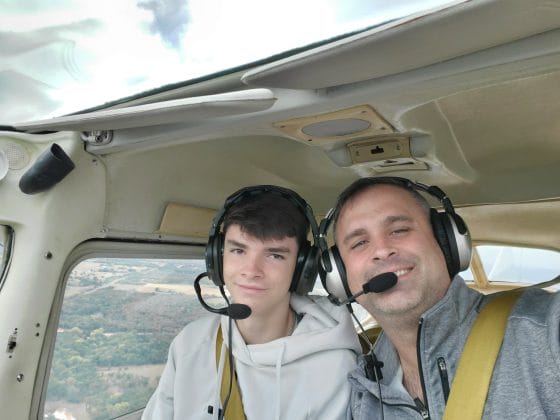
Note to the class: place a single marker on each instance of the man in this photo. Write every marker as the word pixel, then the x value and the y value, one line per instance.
pixel 384 225
pixel 292 353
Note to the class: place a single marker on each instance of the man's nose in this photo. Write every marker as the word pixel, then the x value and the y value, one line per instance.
pixel 382 248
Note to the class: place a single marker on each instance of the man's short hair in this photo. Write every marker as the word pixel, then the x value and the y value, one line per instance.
pixel 268 215
pixel 364 184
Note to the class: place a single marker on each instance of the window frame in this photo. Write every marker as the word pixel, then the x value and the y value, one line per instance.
pixel 85 251
pixel 8 237
pixel 481 281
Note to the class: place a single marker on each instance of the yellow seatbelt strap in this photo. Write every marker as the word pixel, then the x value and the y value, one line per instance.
pixel 476 365
pixel 234 409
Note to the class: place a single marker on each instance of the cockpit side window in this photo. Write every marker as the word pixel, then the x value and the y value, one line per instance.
pixel 512 266
pixel 6 243
pixel 118 318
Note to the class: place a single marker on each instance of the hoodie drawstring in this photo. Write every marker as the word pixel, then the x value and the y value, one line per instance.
pixel 278 381
pixel 218 400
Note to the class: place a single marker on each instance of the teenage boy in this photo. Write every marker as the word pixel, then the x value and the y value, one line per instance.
pixel 291 355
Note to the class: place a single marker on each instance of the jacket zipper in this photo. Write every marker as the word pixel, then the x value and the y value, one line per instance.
pixel 442 367
pixel 422 408
pixel 419 407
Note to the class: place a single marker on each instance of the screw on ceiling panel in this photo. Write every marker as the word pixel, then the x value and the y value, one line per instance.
pixel 97 137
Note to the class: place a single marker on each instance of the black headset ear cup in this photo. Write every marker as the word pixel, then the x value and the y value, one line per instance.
pixel 326 263
pixel 307 269
pixel 214 258
pixel 462 241
pixel 334 280
pixel 445 237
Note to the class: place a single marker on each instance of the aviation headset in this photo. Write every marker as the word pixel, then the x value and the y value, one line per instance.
pixel 307 260
pixel 449 229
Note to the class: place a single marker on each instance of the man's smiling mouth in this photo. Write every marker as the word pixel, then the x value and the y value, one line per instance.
pixel 402 272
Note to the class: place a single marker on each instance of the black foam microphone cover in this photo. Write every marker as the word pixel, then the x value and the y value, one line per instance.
pixel 238 311
pixel 380 283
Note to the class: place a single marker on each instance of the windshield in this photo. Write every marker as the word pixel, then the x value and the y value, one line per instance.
pixel 63 56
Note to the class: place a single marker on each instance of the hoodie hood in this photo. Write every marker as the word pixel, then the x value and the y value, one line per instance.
pixel 301 376
pixel 323 327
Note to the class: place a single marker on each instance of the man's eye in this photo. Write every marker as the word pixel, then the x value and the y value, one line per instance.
pixel 358 244
pixel 278 256
pixel 400 231
pixel 235 251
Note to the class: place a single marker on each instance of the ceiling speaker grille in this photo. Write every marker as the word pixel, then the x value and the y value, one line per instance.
pixel 343 125
pixel 18 157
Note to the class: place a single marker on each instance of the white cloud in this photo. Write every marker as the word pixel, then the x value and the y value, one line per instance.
pixel 80 53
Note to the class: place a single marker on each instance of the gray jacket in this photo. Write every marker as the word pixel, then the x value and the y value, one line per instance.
pixel 526 379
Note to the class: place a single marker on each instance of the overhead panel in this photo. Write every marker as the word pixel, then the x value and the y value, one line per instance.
pixel 357 136
pixel 385 155
pixel 173 111
pixel 378 52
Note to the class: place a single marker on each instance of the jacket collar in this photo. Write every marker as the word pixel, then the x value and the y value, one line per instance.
pixel 441 325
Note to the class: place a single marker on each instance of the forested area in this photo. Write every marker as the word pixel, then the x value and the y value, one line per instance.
pixel 110 327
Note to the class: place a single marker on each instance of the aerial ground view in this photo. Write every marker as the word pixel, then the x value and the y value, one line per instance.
pixel 118 318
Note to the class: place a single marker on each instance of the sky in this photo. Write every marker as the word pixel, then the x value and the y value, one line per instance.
pixel 61 56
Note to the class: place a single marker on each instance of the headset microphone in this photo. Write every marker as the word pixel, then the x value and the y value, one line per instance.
pixel 377 284
pixel 238 311
pixel 233 310
pixel 380 283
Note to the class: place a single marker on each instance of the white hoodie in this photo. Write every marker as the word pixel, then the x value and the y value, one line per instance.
pixel 301 376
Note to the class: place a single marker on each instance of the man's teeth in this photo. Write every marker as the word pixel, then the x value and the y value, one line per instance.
pixel 401 272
